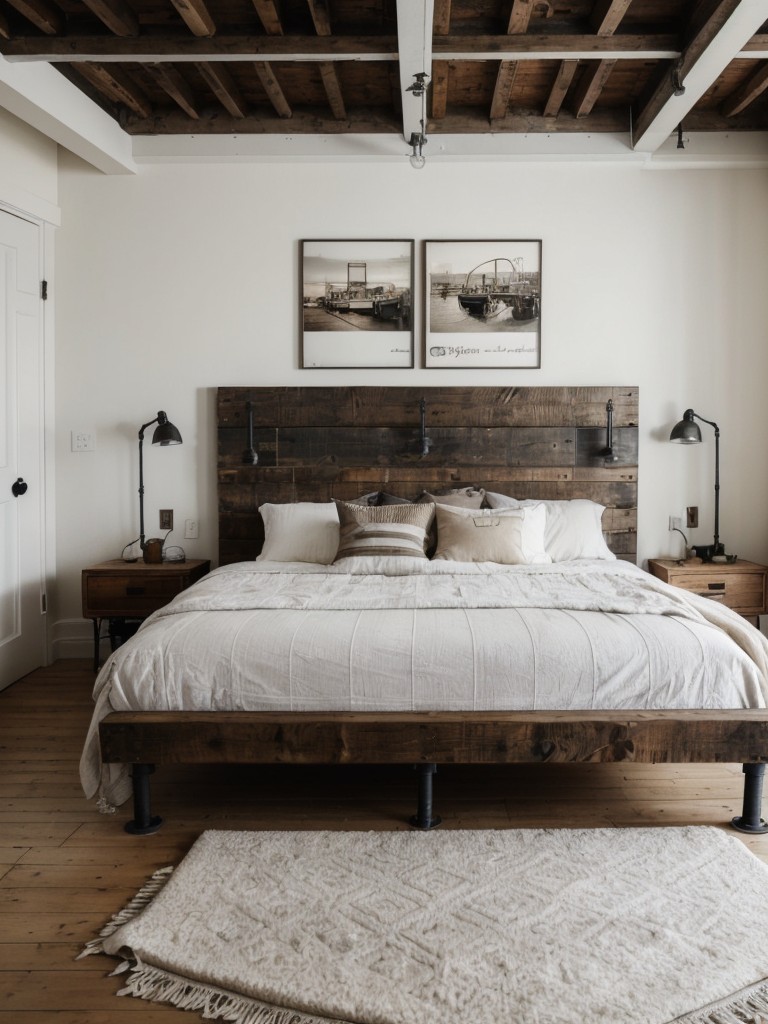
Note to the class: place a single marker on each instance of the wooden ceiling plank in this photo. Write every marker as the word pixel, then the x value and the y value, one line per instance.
pixel 116 15
pixel 439 91
pixel 560 87
pixel 175 123
pixel 196 17
pixel 591 85
pixel 269 16
pixel 607 15
pixel 719 39
pixel 520 16
pixel 332 86
pixel 272 89
pixel 42 14
pixel 177 87
pixel 223 86
pixel 505 79
pixel 441 21
pixel 5 28
pixel 113 83
pixel 320 16
pixel 746 94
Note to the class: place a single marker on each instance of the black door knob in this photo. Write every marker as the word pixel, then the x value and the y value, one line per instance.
pixel 19 488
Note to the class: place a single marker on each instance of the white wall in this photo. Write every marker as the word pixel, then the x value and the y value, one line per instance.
pixel 184 278
pixel 28 169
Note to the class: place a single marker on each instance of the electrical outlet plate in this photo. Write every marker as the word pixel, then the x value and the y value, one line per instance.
pixel 83 441
pixel 675 523
pixel 166 518
pixel 190 529
pixel 692 516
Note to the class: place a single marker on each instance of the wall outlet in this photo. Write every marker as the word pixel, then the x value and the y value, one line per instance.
pixel 692 516
pixel 675 523
pixel 166 518
pixel 83 441
pixel 190 529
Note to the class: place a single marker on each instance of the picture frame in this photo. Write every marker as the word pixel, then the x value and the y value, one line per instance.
pixel 482 304
pixel 356 303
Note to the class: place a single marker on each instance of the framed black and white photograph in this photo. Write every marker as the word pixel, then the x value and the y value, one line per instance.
pixel 482 304
pixel 356 303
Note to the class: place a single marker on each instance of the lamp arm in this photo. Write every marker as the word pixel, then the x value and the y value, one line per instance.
pixel 717 475
pixel 141 478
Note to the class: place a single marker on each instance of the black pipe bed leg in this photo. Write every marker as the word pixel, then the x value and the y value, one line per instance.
pixel 143 824
pixel 750 820
pixel 423 818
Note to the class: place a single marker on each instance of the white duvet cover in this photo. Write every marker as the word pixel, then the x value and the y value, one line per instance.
pixel 411 635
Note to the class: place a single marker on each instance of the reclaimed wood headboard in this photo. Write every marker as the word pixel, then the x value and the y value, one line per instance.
pixel 318 443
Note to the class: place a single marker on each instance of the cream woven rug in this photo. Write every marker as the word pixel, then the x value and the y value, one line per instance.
pixel 628 926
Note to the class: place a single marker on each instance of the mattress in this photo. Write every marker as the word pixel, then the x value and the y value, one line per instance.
pixel 399 634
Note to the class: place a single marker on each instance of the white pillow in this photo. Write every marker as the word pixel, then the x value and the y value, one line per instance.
pixel 573 529
pixel 302 531
pixel 507 536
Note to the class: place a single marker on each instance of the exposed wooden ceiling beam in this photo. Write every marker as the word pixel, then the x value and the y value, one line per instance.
pixel 607 14
pixel 43 15
pixel 196 17
pixel 116 86
pixel 320 16
pixel 116 15
pixel 332 86
pixel 269 15
pixel 272 89
pixel 178 88
pixel 175 123
pixel 746 94
pixel 505 79
pixel 5 29
pixel 560 87
pixel 520 16
pixel 717 42
pixel 590 86
pixel 223 86
pixel 180 48
pixel 439 89
pixel 441 20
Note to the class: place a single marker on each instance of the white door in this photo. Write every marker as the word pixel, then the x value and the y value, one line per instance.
pixel 22 580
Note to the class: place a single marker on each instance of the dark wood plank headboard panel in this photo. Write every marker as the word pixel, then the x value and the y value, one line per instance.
pixel 318 443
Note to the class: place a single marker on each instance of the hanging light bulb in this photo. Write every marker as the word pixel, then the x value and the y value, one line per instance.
pixel 417 158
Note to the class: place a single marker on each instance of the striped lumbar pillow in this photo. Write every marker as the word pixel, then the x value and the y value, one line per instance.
pixel 383 529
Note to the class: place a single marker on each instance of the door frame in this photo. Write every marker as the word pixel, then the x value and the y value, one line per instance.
pixel 46 409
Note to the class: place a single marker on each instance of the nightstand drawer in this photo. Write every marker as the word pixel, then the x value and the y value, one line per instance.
pixel 740 591
pixel 117 595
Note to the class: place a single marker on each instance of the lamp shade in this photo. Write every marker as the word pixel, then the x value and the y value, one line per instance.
pixel 687 431
pixel 165 432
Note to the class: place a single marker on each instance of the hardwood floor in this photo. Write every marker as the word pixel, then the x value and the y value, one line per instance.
pixel 65 868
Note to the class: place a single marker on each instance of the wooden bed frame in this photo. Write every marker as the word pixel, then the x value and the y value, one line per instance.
pixel 317 443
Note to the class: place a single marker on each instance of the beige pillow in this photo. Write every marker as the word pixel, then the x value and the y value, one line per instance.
pixel 462 497
pixel 506 536
pixel 383 529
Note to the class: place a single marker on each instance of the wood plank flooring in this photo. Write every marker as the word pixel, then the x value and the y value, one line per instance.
pixel 65 868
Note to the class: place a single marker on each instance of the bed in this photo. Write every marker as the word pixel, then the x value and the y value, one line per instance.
pixel 468 657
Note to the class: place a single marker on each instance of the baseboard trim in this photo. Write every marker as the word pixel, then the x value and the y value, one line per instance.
pixel 73 638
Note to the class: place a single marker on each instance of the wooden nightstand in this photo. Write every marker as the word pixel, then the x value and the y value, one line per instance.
pixel 741 585
pixel 118 590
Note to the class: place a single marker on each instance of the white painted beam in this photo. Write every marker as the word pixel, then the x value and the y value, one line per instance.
pixel 42 98
pixel 414 36
pixel 743 23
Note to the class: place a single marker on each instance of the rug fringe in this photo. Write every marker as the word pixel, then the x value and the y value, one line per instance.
pixel 213 1003
pixel 143 897
pixel 750 1006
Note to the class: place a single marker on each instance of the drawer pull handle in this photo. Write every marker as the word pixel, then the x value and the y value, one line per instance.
pixel 716 586
pixel 135 591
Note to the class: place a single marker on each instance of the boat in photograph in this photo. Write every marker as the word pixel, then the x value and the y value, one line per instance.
pixel 485 293
pixel 381 300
